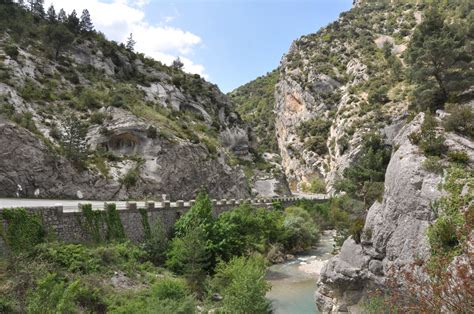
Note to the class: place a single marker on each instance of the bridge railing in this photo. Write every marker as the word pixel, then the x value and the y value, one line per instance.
pixel 164 203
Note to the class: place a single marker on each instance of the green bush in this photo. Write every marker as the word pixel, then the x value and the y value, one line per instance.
pixel 24 230
pixel 246 229
pixel 317 185
pixel 131 178
pixel 157 243
pixel 458 156
pixel 430 142
pixel 433 164
pixel 442 234
pixel 460 120
pixel 151 132
pixel 97 117
pixel 300 231
pixel 364 179
pixel 241 282
pixel 355 230
pixel 12 52
pixel 170 288
pixel 53 295
pixel 71 257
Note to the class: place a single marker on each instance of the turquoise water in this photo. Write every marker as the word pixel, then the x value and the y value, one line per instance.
pixel 294 283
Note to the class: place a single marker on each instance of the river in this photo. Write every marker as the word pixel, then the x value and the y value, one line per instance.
pixel 294 283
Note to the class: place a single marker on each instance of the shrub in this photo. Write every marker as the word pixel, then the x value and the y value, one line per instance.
pixel 157 243
pixel 242 284
pixel 442 234
pixel 433 164
pixel 246 229
pixel 53 295
pixel 151 132
pixel 189 256
pixel 433 145
pixel 355 230
pixel 170 288
pixel 430 143
pixel 378 95
pixel 24 230
pixel 300 231
pixel 12 52
pixel 130 179
pixel 97 118
pixel 317 185
pixel 458 156
pixel 364 179
pixel 75 258
pixel 461 120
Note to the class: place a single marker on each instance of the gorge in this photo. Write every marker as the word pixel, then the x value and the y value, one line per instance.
pixel 375 110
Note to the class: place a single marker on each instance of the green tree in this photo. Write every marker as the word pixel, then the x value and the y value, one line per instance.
pixel 246 229
pixel 74 140
pixel 157 243
pixel 85 24
pixel 199 215
pixel 59 38
pixel 51 14
pixel 300 230
pixel 178 64
pixel 242 284
pixel 72 22
pixel 364 179
pixel 189 256
pixel 62 17
pixel 439 60
pixel 130 45
pixel 37 7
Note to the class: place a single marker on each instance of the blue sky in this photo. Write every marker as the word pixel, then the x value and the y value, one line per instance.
pixel 230 42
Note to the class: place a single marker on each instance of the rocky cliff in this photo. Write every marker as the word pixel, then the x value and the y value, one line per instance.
pixel 325 98
pixel 356 77
pixel 151 128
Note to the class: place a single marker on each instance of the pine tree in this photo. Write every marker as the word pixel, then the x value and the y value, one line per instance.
pixel 85 24
pixel 438 59
pixel 178 64
pixel 58 37
pixel 62 17
pixel 51 14
pixel 37 7
pixel 130 43
pixel 72 22
pixel 74 140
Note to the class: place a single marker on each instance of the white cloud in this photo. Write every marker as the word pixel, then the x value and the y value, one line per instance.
pixel 119 18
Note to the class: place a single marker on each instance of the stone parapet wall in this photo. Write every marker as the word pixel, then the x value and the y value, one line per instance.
pixel 66 224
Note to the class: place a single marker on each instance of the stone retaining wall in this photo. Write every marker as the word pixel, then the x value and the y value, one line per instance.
pixel 66 225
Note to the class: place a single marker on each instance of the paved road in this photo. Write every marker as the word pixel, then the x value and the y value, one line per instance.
pixel 72 205
pixel 68 205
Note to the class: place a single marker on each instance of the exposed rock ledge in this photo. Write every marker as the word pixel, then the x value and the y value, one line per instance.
pixel 394 232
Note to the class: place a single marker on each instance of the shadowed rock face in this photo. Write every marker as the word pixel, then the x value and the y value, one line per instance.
pixel 28 168
pixel 394 232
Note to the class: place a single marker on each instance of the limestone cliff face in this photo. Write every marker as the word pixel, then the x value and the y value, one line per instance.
pixel 176 131
pixel 28 168
pixel 327 78
pixel 394 234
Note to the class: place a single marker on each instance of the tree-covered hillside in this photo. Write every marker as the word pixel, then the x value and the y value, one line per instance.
pixel 255 102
